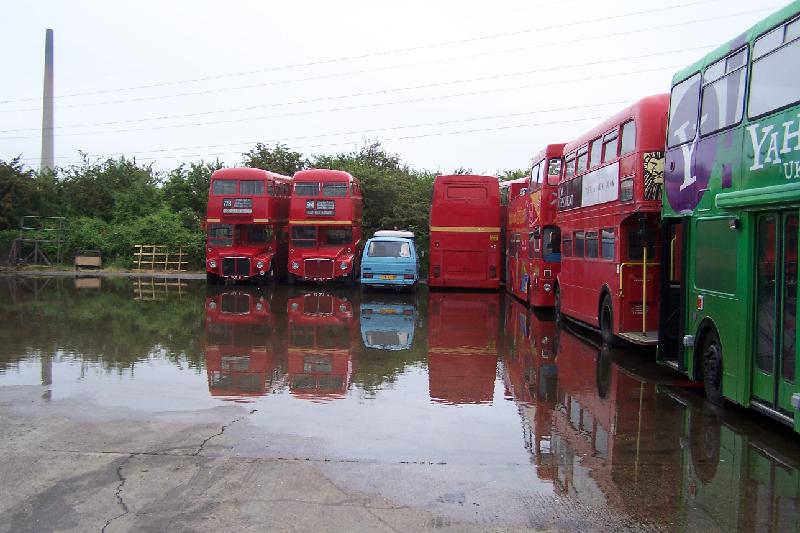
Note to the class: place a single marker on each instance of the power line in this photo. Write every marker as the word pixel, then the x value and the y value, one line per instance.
pixel 366 131
pixel 373 105
pixel 334 60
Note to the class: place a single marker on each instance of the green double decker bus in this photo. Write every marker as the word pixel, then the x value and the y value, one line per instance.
pixel 731 200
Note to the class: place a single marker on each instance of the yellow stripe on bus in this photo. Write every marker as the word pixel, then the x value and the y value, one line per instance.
pixel 321 222
pixel 213 220
pixel 465 229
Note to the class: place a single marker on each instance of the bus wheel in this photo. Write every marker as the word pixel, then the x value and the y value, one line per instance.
pixel 291 279
pixel 213 279
pixel 557 306
pixel 607 322
pixel 712 368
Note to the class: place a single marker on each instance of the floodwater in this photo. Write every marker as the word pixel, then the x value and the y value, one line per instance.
pixel 464 404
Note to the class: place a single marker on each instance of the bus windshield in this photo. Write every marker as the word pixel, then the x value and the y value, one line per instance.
pixel 334 189
pixel 220 235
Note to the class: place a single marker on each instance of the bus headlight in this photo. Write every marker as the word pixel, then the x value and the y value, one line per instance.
pixel 295 265
pixel 212 263
pixel 259 306
pixel 259 264
pixel 212 305
pixel 547 287
pixel 343 265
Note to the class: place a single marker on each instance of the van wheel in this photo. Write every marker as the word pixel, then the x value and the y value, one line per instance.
pixel 607 322
pixel 712 368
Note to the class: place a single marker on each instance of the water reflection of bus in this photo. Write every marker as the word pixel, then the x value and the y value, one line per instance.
pixel 615 440
pixel 388 321
pixel 531 377
pixel 463 330
pixel 244 344
pixel 322 330
pixel 737 477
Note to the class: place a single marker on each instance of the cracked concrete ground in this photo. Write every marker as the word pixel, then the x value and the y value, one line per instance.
pixel 70 466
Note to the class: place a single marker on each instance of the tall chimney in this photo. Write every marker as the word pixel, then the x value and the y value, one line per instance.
pixel 48 152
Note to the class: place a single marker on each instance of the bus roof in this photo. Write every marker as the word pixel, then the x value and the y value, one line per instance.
pixel 516 186
pixel 455 178
pixel 655 106
pixel 551 150
pixel 322 174
pixel 247 173
pixel 754 31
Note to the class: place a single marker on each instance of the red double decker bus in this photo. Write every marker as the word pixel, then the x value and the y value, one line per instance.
pixel 609 201
pixel 514 223
pixel 322 332
pixel 247 216
pixel 465 232
pixel 325 226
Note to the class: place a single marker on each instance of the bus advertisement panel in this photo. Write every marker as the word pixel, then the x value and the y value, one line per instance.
pixel 465 232
pixel 609 204
pixel 325 227
pixel 730 228
pixel 247 216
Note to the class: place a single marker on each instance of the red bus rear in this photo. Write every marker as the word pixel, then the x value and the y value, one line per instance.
pixel 609 214
pixel 465 232
pixel 248 212
pixel 325 226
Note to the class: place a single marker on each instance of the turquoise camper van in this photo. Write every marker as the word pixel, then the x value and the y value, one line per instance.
pixel 390 260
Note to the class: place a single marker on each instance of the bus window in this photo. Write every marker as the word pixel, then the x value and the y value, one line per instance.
pixel 535 175
pixel 254 187
pixel 583 159
pixel 607 243
pixel 595 151
pixel 636 247
pixel 338 235
pixel 258 234
pixel 774 83
pixel 683 111
pixel 578 247
pixel 552 245
pixel 610 146
pixel 628 138
pixel 304 236
pixel 220 235
pixel 553 171
pixel 334 189
pixel 789 296
pixel 591 244
pixel 566 247
pixel 224 187
pixel 540 178
pixel 723 86
pixel 306 189
pixel 570 165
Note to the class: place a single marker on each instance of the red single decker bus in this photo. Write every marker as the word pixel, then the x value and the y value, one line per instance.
pixel 609 199
pixel 534 241
pixel 465 232
pixel 248 212
pixel 325 226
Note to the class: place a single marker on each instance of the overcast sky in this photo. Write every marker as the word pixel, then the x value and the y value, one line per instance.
pixel 444 84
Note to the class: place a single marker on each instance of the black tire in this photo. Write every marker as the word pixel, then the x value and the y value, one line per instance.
pixel 213 279
pixel 603 371
pixel 291 279
pixel 607 321
pixel 705 438
pixel 557 306
pixel 711 353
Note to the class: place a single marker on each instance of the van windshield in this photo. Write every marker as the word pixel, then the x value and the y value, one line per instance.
pixel 388 249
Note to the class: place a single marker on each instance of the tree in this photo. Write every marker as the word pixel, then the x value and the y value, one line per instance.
pixel 278 159
pixel 187 188
pixel 18 194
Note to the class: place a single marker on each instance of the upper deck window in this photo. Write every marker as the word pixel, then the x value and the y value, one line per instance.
pixel 583 159
pixel 461 192
pixel 723 85
pixel 306 189
pixel 570 171
pixel 251 187
pixel 610 146
pixel 683 111
pixel 334 189
pixel 775 84
pixel 224 187
pixel 628 138
pixel 554 170
pixel 595 151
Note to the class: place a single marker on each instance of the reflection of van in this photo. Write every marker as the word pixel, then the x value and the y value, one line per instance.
pixel 390 260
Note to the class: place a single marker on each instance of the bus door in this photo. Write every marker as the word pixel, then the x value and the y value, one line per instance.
pixel 774 378
pixel 672 304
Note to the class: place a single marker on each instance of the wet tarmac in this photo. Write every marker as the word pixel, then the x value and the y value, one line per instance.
pixel 446 410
